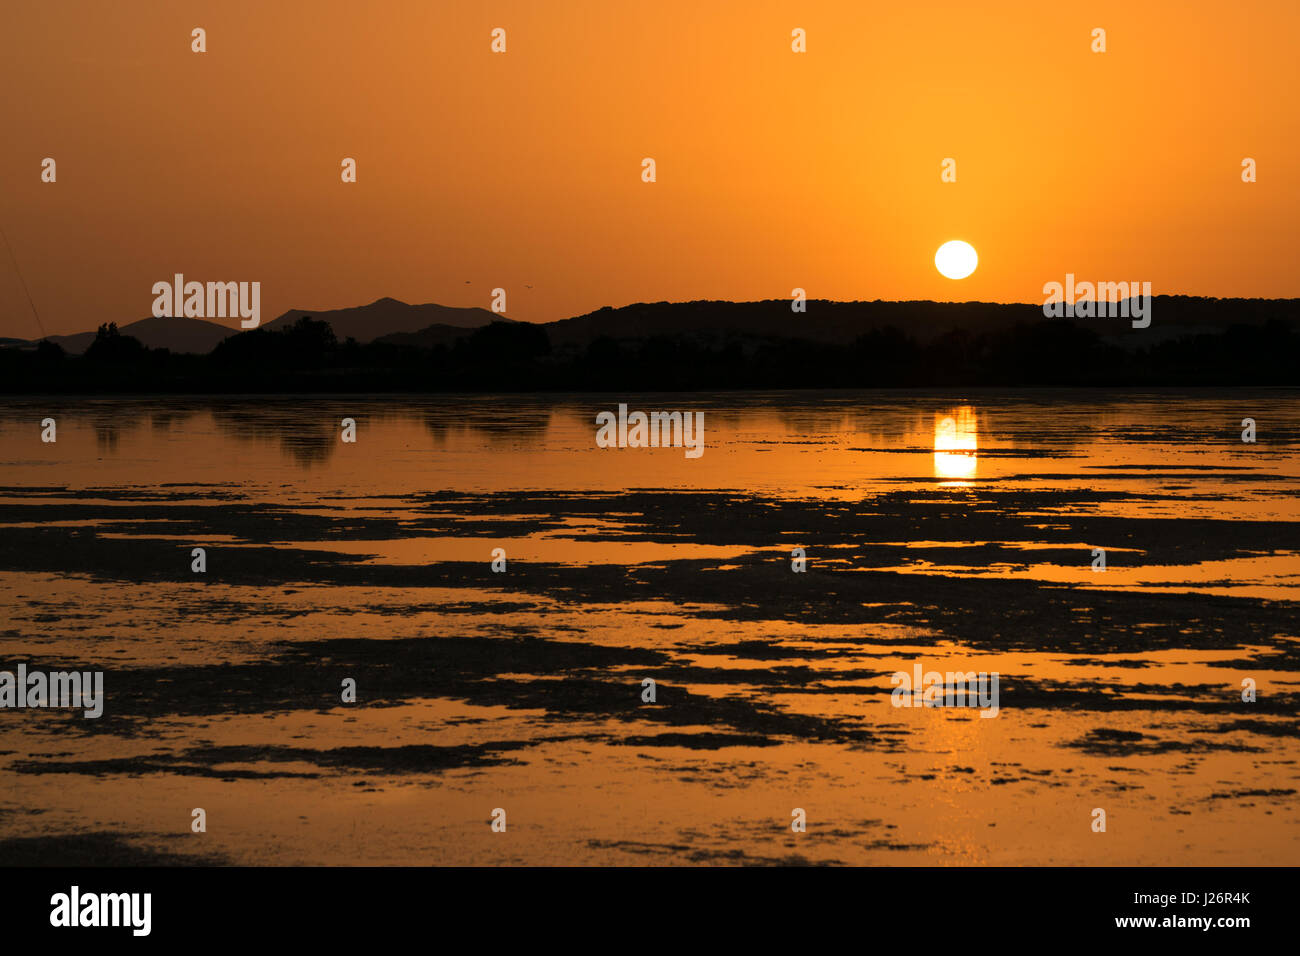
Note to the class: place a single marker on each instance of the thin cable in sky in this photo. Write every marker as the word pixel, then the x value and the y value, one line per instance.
pixel 14 259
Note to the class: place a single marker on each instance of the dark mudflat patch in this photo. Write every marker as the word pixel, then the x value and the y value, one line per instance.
pixel 213 761
pixel 563 680
pixel 681 853
pixel 854 549
pixel 702 741
pixel 1243 794
pixel 1266 728
pixel 1105 742
pixel 93 850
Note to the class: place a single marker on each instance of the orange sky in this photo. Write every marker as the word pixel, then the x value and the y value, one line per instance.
pixel 775 169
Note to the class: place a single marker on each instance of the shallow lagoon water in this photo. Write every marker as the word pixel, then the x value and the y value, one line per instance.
pixel 953 529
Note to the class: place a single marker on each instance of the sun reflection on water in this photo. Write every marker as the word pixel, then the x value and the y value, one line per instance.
pixel 955 445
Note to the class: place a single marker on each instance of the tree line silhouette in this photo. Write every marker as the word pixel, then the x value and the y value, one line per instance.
pixel 518 356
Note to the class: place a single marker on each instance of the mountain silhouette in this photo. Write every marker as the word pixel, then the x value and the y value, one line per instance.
pixel 823 321
pixel 828 322
pixel 176 334
pixel 387 317
pixel 391 321
pixel 667 346
pixel 365 323
pixel 427 338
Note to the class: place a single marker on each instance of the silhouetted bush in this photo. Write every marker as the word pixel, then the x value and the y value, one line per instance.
pixel 111 347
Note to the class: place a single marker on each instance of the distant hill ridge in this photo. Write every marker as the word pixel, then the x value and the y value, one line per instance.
pixel 392 321
pixel 365 323
pixel 842 322
pixel 179 335
pixel 387 316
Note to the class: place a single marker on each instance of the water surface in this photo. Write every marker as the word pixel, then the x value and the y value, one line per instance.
pixel 958 530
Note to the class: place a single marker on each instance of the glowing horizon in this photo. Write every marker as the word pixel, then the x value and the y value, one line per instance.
pixel 774 169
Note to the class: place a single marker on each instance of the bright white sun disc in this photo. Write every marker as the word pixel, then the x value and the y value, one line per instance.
pixel 956 259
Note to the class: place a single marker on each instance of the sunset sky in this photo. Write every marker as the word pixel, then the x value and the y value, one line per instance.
pixel 775 169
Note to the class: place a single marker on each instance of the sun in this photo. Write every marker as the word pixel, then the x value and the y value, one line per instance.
pixel 956 259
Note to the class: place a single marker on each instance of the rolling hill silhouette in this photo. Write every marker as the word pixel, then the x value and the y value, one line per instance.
pixel 176 334
pixel 387 317
pixel 828 322
pixel 824 321
pixel 391 321
pixel 668 346
pixel 365 323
